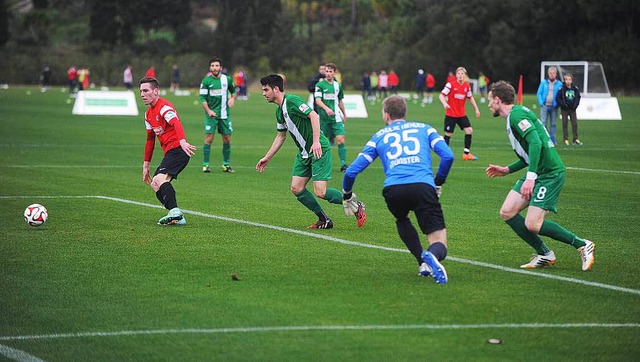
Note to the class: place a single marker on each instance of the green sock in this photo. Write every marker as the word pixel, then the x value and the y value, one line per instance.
pixel 206 152
pixel 334 196
pixel 517 224
pixel 307 199
pixel 342 153
pixel 226 153
pixel 553 230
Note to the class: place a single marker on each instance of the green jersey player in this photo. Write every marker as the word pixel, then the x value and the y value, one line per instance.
pixel 539 189
pixel 313 160
pixel 217 96
pixel 328 98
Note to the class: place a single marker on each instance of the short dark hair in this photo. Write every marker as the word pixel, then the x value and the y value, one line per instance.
pixel 330 66
pixel 153 81
pixel 395 106
pixel 273 80
pixel 503 90
pixel 215 59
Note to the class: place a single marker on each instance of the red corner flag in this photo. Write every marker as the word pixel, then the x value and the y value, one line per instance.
pixel 520 90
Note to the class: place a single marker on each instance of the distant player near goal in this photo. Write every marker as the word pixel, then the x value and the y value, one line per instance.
pixel 539 189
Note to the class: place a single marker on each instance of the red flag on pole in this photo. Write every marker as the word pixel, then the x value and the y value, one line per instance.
pixel 520 90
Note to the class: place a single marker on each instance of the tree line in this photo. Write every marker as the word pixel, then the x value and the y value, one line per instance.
pixel 503 39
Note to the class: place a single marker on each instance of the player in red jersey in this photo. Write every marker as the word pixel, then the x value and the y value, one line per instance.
pixel 162 121
pixel 453 97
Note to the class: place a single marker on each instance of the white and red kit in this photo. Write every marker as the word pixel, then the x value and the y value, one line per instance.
pixel 458 94
pixel 162 121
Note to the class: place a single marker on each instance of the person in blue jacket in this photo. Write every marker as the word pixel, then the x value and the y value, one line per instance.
pixel 547 93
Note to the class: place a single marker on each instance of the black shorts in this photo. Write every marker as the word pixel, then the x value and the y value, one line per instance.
pixel 174 161
pixel 420 198
pixel 450 123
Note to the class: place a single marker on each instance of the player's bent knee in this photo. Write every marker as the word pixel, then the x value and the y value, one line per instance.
pixel 507 214
pixel 533 226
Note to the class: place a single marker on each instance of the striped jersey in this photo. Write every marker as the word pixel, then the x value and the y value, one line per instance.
pixel 215 91
pixel 521 122
pixel 330 94
pixel 292 117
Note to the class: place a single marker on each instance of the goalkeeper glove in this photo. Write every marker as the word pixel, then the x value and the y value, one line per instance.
pixel 350 204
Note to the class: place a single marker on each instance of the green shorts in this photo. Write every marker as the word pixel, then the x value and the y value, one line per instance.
pixel 223 126
pixel 332 129
pixel 311 167
pixel 546 190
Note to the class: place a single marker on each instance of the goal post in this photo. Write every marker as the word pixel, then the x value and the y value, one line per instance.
pixel 596 102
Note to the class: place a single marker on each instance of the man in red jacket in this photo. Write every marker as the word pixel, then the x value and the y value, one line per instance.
pixel 162 121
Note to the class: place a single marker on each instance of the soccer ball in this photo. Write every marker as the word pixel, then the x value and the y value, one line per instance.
pixel 35 215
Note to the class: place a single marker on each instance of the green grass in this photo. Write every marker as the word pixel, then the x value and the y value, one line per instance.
pixel 158 293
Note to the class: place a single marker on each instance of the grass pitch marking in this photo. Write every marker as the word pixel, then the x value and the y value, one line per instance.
pixel 17 355
pixel 318 328
pixel 355 243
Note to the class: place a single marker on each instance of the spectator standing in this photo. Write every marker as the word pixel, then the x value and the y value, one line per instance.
pixel 383 83
pixel 175 78
pixel 151 72
pixel 374 84
pixel 394 82
pixel 547 93
pixel 431 84
pixel 420 83
pixel 72 76
pixel 85 78
pixel 366 86
pixel 568 99
pixel 46 78
pixel 127 77
pixel 483 82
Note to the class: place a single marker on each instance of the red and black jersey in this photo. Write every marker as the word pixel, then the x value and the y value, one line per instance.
pixel 162 121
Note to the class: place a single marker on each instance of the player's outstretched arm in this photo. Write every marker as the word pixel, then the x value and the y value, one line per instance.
pixel 496 171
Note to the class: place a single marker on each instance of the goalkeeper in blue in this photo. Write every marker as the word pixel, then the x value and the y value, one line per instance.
pixel 404 148
pixel 538 190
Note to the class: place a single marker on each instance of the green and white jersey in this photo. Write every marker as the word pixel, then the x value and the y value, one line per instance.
pixel 331 94
pixel 215 91
pixel 292 117
pixel 521 121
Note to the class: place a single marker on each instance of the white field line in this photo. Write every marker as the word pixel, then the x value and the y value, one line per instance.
pixel 321 328
pixel 17 355
pixel 622 172
pixel 355 243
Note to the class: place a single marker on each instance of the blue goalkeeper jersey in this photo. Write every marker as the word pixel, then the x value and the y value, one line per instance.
pixel 404 148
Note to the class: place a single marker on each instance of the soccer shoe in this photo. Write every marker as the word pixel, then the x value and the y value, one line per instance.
pixel 577 143
pixel 206 169
pixel 361 215
pixel 344 168
pixel 228 169
pixel 540 261
pixel 438 271
pixel 586 253
pixel 172 218
pixel 424 270
pixel 469 157
pixel 566 142
pixel 321 224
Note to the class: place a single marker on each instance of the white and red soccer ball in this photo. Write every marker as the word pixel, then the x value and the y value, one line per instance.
pixel 35 215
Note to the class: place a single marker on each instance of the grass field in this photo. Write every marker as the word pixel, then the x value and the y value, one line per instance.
pixel 101 281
